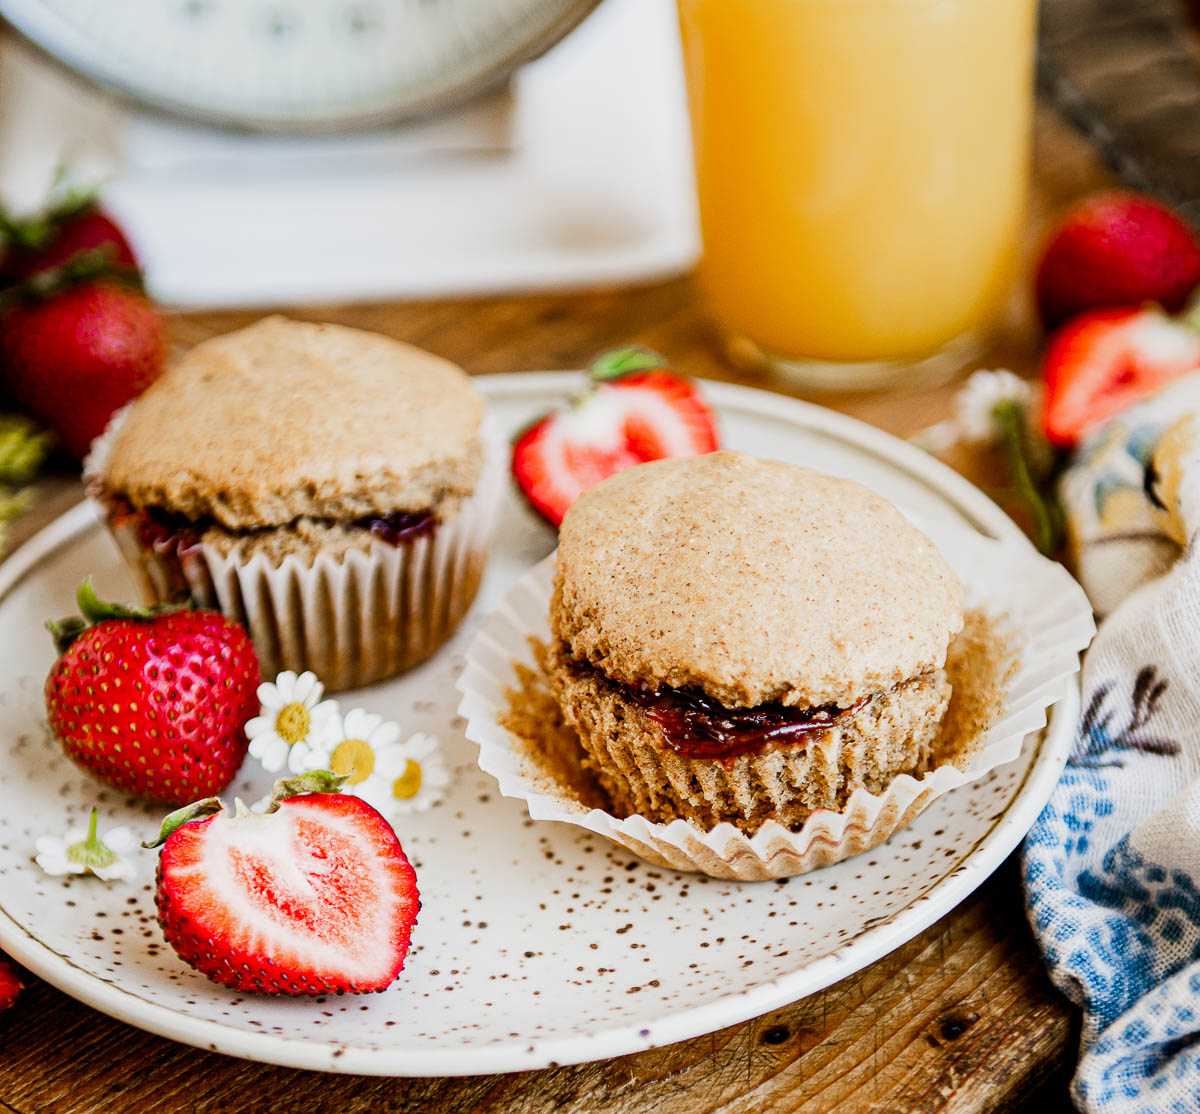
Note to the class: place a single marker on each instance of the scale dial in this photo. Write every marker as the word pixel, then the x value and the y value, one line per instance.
pixel 295 65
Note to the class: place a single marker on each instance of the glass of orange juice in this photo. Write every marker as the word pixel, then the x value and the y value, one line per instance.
pixel 861 168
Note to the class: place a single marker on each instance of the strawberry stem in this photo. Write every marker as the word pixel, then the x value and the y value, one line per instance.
pixel 1029 473
pixel 92 851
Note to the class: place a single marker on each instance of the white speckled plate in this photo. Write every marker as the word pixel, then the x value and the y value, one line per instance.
pixel 537 943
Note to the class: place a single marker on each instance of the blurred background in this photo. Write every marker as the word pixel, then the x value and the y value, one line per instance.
pixel 277 151
pixel 337 150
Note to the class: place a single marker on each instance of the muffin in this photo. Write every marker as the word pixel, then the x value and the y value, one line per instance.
pixel 744 640
pixel 324 486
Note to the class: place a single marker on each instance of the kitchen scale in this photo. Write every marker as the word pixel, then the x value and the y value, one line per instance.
pixel 333 150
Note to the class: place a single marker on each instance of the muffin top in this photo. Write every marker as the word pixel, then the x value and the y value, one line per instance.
pixel 752 580
pixel 287 419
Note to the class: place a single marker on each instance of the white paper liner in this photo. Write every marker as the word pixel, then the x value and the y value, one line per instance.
pixel 1046 620
pixel 353 619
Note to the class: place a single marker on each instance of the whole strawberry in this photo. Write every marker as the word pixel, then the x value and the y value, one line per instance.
pixel 313 896
pixel 10 985
pixel 74 355
pixel 1116 248
pixel 152 700
pixel 52 239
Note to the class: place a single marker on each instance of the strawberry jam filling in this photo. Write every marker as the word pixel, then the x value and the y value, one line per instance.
pixel 157 527
pixel 400 526
pixel 695 726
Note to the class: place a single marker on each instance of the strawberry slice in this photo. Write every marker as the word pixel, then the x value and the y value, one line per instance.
pixel 633 411
pixel 315 896
pixel 1106 360
pixel 10 985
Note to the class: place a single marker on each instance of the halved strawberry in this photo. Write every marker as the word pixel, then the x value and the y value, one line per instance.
pixel 1106 360
pixel 315 896
pixel 633 411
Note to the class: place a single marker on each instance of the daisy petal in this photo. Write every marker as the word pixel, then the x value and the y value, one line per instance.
pixel 306 686
pixel 119 840
pixel 358 723
pixel 421 745
pixel 118 871
pixel 391 763
pixel 260 745
pixel 376 792
pixel 297 758
pixel 274 754
pixel 269 696
pixel 434 776
pixel 259 725
pixel 385 735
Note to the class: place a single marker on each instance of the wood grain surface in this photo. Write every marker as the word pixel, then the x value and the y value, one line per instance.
pixel 960 1019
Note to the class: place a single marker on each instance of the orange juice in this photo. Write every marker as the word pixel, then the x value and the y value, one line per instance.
pixel 861 167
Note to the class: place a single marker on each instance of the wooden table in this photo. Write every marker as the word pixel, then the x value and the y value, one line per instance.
pixel 960 1019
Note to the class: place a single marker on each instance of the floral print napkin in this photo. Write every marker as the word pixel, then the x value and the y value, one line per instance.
pixel 1112 866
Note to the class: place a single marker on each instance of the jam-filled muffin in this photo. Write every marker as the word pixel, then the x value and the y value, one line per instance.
pixel 743 640
pixel 320 484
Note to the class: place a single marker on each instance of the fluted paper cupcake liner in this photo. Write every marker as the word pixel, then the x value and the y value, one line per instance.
pixel 1046 622
pixel 354 618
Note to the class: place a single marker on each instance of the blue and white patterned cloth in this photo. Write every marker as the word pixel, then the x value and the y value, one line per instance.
pixel 1112 866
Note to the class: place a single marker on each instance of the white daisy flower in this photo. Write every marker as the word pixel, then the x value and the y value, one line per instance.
pixel 393 776
pixel 974 417
pixel 292 722
pixel 976 401
pixel 84 852
pixel 415 773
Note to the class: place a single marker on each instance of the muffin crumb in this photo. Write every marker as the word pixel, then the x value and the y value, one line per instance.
pixel 549 751
pixel 981 665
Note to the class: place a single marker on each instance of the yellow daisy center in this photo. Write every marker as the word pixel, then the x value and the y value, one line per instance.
pixel 292 723
pixel 408 784
pixel 354 759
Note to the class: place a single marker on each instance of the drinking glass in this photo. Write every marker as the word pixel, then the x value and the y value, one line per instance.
pixel 862 167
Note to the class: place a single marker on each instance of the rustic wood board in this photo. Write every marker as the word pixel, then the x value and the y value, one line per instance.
pixel 960 1019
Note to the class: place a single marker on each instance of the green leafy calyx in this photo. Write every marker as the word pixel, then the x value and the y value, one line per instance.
pixel 92 852
pixel 315 781
pixel 616 363
pixel 197 810
pixel 94 611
